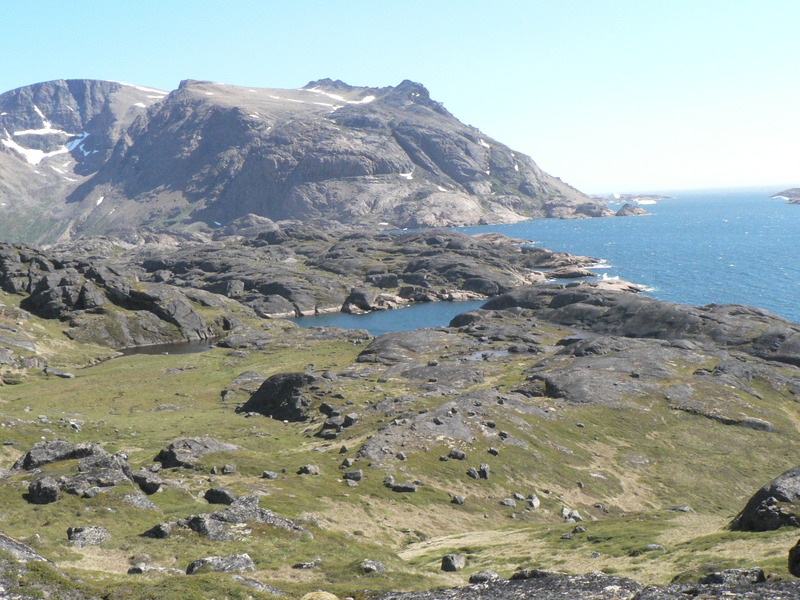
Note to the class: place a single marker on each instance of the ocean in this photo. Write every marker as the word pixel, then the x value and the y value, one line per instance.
pixel 696 247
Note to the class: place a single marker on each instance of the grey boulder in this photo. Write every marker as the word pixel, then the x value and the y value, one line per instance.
pixel 44 491
pixel 225 564
pixel 91 535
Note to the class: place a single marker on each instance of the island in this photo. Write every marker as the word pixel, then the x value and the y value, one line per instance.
pixel 792 195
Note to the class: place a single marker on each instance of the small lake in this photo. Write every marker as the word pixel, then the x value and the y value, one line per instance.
pixel 414 316
pixel 171 348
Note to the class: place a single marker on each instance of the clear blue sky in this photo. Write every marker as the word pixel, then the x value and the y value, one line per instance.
pixel 636 95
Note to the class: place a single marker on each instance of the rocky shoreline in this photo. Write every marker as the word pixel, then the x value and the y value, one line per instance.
pixel 151 289
pixel 792 196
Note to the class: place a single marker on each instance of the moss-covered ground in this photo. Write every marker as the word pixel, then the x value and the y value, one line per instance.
pixel 621 467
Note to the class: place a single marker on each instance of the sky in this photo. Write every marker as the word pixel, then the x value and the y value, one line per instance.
pixel 608 95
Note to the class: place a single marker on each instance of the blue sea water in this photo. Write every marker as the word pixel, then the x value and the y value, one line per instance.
pixel 696 247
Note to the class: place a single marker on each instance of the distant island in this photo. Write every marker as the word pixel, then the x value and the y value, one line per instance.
pixel 641 198
pixel 792 195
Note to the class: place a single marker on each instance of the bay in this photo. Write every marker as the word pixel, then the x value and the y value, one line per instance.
pixel 696 247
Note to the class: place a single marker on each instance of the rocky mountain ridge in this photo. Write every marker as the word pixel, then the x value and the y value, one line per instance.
pixel 83 157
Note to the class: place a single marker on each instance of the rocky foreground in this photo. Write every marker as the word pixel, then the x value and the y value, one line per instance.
pixel 747 584
pixel 565 440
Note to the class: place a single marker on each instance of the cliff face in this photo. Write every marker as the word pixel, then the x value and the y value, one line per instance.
pixel 98 155
pixel 54 136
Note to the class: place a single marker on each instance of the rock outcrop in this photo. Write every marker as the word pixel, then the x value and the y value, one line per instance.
pixel 145 288
pixel 773 506
pixel 89 535
pixel 224 564
pixel 18 550
pixel 792 195
pixel 630 210
pixel 598 586
pixel 281 397
pixel 185 452
pixel 221 524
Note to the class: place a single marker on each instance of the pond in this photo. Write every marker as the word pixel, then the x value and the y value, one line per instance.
pixel 414 316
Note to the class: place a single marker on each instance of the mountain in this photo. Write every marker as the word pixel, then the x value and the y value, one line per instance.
pixel 81 157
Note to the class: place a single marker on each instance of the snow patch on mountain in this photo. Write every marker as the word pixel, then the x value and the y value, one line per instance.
pixel 142 88
pixel 31 155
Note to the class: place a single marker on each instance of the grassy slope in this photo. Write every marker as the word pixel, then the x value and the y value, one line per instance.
pixel 634 461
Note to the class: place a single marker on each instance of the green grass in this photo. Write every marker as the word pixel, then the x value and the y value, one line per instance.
pixel 633 460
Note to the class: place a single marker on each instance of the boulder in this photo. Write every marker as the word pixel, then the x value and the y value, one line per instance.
pixel 281 397
pixel 206 525
pixel 185 452
pixel 58 373
pixel 141 567
pixel 772 506
pixel 44 491
pixel 354 475
pixel 96 478
pixel 46 452
pixel 359 300
pixel 372 566
pixel 215 525
pixel 404 346
pixel 484 576
pixel 219 495
pixel 114 462
pixel 91 535
pixel 794 559
pixel 139 500
pixel 308 564
pixel 147 481
pixel 159 532
pixel 457 454
pixel 403 486
pixel 225 564
pixel 319 595
pixel 453 562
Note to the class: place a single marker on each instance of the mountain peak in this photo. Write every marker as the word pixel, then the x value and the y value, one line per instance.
pixel 412 87
pixel 328 83
pixel 186 83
